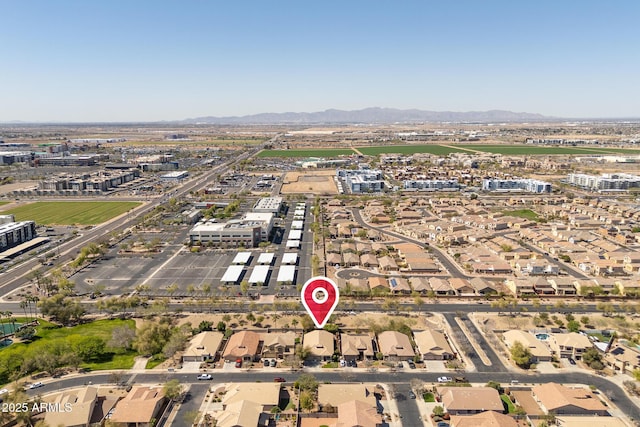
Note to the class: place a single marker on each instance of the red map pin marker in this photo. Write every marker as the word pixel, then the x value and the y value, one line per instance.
pixel 320 297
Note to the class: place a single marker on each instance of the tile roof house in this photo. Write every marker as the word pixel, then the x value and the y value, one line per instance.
pixel 243 413
pixel 562 400
pixel 483 419
pixel 572 345
pixel 139 407
pixel 203 347
pixel 321 344
pixel 470 400
pixel 356 346
pixel 280 345
pixel 82 405
pixel 395 345
pixel 538 349
pixel 242 345
pixel 358 413
pixel 433 345
pixel 337 394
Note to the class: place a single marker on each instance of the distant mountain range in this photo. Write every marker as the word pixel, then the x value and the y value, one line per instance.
pixel 373 116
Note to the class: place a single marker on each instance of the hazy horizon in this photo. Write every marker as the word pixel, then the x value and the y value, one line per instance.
pixel 128 62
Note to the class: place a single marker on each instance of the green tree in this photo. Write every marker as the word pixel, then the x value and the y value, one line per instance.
pixel 592 358
pixel 172 389
pixel 88 348
pixel 521 355
pixel 573 326
pixel 152 337
pixel 306 401
pixel 438 411
pixel 306 382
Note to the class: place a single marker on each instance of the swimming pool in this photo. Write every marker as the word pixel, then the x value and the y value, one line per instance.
pixel 542 337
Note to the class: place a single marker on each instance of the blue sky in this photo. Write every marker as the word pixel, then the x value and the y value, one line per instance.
pixel 165 60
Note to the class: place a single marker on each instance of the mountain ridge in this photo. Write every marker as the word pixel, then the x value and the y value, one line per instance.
pixel 372 115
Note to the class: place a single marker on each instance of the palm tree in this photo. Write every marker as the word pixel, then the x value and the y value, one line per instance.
pixel 23 306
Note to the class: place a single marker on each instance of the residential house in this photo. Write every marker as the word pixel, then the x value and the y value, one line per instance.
pixel 561 400
pixel 441 286
pixel 203 347
pixel 567 345
pixel 243 345
pixel 358 413
pixel 337 394
pixel 539 350
pixel 321 345
pixel 242 413
pixel 81 404
pixel 623 358
pixel 628 287
pixel 541 286
pixel 482 286
pixel 433 345
pixel 266 394
pixel 334 259
pixel 563 285
pixel 368 260
pixel 461 286
pixel 140 407
pixel 470 400
pixel 483 419
pixel 420 284
pixel 278 345
pixel 520 286
pixel 395 346
pixel 350 259
pixel 386 263
pixel 378 284
pixel 399 285
pixel 356 346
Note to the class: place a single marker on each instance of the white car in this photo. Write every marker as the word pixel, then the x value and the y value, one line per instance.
pixel 36 385
pixel 205 377
pixel 444 379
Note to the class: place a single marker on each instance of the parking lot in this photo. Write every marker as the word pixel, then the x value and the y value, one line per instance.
pixel 176 271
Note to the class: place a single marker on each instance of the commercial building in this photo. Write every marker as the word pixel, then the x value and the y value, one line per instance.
pixel 174 176
pixel 249 231
pixel 527 185
pixel 432 185
pixel 604 182
pixel 268 205
pixel 14 233
pixel 362 180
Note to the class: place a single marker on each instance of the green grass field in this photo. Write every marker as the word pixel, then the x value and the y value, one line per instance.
pixel 67 213
pixel 50 337
pixel 523 213
pixel 311 152
pixel 408 149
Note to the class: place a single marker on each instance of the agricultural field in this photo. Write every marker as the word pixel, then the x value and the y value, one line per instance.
pixel 68 213
pixel 311 152
pixel 410 149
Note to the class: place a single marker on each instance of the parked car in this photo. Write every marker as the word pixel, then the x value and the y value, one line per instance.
pixel 460 379
pixel 352 363
pixel 266 363
pixel 412 364
pixel 412 395
pixel 238 363
pixel 444 379
pixel 573 362
pixel 36 385
pixel 273 363
pixel 279 380
pixel 205 377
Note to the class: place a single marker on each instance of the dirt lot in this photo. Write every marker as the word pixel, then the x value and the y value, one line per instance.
pixel 310 181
